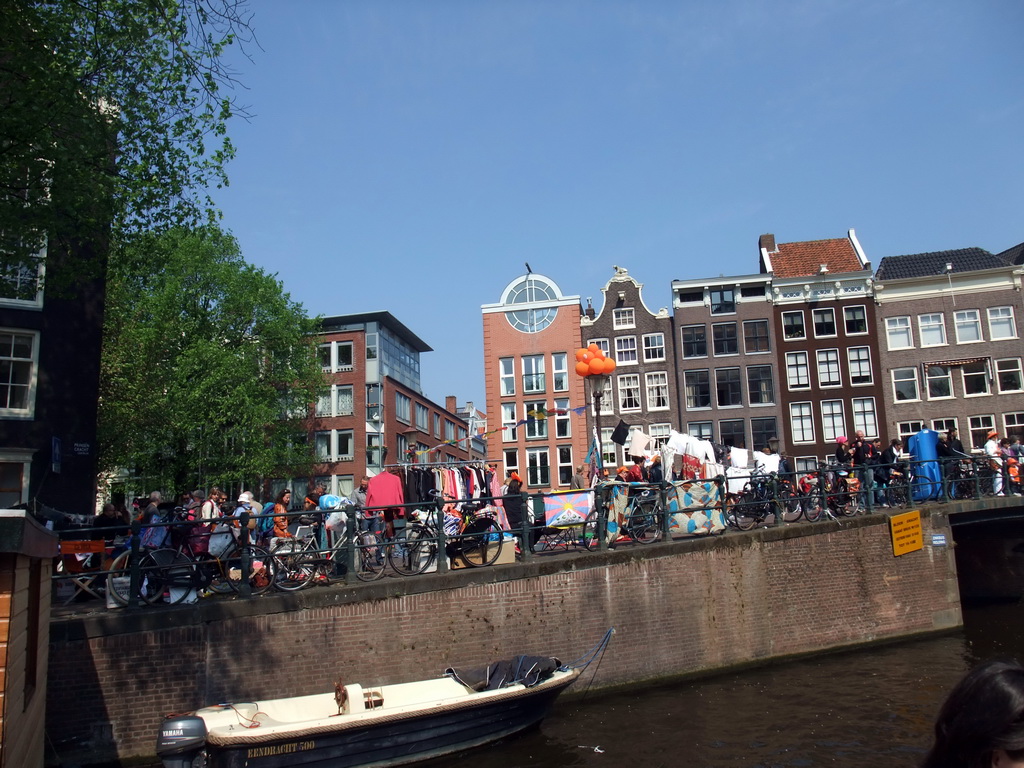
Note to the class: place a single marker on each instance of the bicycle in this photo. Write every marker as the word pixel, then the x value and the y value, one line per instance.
pixel 476 539
pixel 841 489
pixel 764 495
pixel 300 561
pixel 644 512
pixel 171 573
pixel 897 491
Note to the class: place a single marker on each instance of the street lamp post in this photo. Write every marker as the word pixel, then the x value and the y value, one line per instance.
pixel 592 364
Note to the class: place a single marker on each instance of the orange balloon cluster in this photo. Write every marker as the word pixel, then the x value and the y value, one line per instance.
pixel 592 362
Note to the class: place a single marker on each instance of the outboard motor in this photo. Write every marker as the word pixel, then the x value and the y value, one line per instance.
pixel 181 742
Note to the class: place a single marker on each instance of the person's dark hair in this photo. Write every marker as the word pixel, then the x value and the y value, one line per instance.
pixel 281 495
pixel 514 486
pixel 983 713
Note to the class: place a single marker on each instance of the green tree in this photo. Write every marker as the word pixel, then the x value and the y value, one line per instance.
pixel 113 117
pixel 203 356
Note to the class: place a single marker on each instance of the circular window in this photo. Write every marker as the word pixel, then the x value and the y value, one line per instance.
pixel 529 290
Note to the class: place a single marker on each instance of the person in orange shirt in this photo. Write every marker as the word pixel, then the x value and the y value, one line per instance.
pixel 281 505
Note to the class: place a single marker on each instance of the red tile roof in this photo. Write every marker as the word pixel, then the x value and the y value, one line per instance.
pixel 805 259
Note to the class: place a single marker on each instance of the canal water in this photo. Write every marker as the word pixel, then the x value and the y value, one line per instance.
pixel 868 707
pixel 874 706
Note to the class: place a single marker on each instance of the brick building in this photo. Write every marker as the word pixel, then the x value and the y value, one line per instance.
pixel 950 335
pixel 374 413
pixel 642 389
pixel 530 339
pixel 824 316
pixel 727 359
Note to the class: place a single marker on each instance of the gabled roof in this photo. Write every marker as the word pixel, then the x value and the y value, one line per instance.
pixel 806 259
pixel 927 264
pixel 1014 255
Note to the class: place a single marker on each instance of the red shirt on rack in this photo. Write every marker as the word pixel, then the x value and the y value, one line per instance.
pixel 385 490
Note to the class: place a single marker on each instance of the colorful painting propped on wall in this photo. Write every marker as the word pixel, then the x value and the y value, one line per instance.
pixel 567 508
pixel 695 508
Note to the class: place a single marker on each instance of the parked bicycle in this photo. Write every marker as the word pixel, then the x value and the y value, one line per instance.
pixel 301 560
pixel 764 495
pixel 172 573
pixel 475 538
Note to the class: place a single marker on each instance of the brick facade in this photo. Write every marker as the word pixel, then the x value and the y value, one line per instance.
pixel 532 444
pixel 708 604
pixel 643 388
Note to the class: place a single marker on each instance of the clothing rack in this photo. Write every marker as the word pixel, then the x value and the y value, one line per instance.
pixel 408 464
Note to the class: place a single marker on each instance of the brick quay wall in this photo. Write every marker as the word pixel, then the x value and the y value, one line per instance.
pixel 679 608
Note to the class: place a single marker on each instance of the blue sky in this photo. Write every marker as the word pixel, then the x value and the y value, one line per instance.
pixel 411 156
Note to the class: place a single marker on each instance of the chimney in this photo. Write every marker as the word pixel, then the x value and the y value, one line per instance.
pixel 449 403
pixel 767 242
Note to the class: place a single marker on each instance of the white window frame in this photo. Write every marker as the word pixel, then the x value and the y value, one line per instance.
pixel 796 363
pixel 534 380
pixel 964 319
pixel 602 344
pixel 929 378
pixel 565 465
pixel 28 412
pixel 1001 316
pixel 654 347
pixel 827 361
pixel 560 371
pixel 980 424
pixel 563 418
pixel 1009 365
pixel 865 416
pixel 931 323
pixel 833 419
pixel 538 467
pixel 903 378
pixel 338 436
pixel 863 319
pixel 508 423
pixel 629 383
pixel 623 317
pixel 824 311
pixel 803 325
pixel 625 350
pixel 536 429
pixel 896 329
pixel 984 377
pixel 801 422
pixel 656 386
pixel 506 376
pixel 858 363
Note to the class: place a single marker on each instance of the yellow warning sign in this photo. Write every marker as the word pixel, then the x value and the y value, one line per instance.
pixel 906 532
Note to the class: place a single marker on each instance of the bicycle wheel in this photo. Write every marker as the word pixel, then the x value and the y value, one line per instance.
pixel 897 496
pixel 788 504
pixel 370 556
pixel 744 512
pixel 644 521
pixel 294 568
pixel 412 550
pixel 119 578
pixel 168 575
pixel 228 571
pixel 481 542
pixel 811 507
pixel 589 535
